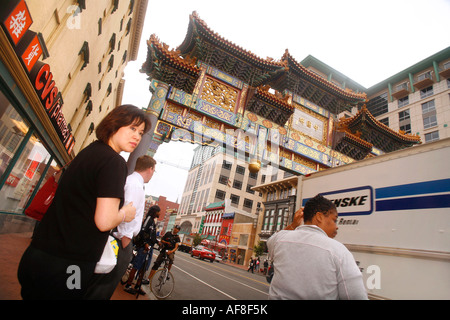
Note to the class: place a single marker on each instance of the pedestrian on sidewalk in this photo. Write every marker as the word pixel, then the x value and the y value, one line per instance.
pixel 89 202
pixel 102 286
pixel 257 265
pixel 251 265
pixel 144 242
pixel 266 265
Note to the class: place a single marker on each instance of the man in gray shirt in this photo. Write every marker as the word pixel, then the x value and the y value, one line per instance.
pixel 308 263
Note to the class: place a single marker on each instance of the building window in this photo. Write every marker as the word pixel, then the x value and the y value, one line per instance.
pixel 403 115
pixel 223 180
pixel 378 105
pixel 428 106
pixel 248 203
pixel 240 170
pixel 271 196
pixel 429 114
pixel 85 52
pixel 237 184
pixel 128 27
pixel 112 43
pixel 253 175
pixel 220 195
pixel 21 174
pixel 282 218
pixel 249 189
pixel 115 6
pixel 426 92
pixel 269 217
pixel 100 23
pixel 226 165
pixel 432 136
pixel 234 199
pixel 429 122
pixel 111 63
pixel 406 128
pixel 385 121
pixel 403 101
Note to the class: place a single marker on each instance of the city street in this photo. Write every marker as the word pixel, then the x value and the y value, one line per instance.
pixel 201 280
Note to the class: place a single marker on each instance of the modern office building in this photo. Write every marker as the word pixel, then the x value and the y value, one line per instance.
pixel 417 99
pixel 218 189
pixel 214 177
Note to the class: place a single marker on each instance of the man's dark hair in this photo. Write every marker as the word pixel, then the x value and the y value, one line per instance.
pixel 317 204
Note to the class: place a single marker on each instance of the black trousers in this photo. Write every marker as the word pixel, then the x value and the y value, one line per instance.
pixel 46 277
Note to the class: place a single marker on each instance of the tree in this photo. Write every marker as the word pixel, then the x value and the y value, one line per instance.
pixel 197 240
pixel 259 249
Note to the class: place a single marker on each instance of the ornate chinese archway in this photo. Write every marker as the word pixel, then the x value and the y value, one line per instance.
pixel 211 91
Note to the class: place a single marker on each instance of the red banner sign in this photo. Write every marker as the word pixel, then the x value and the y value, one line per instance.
pixel 32 53
pixel 18 22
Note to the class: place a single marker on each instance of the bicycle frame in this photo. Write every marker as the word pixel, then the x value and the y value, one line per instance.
pixel 160 284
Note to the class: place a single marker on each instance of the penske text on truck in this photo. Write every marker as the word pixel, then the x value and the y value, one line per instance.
pixel 394 216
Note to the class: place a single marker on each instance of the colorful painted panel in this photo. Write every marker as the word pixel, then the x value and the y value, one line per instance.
pixel 311 106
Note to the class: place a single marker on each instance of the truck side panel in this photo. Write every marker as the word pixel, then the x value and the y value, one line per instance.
pixel 394 213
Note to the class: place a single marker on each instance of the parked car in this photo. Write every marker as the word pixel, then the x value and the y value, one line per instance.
pixel 218 257
pixel 203 253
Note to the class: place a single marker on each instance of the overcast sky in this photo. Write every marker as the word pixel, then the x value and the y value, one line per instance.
pixel 368 41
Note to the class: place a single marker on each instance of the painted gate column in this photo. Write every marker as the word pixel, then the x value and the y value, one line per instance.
pixel 159 93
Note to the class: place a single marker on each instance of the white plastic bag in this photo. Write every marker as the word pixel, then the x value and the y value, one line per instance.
pixel 108 259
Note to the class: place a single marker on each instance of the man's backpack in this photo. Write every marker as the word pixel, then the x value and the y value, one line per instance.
pixel 146 235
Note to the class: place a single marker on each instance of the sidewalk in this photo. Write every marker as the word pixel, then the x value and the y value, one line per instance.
pixel 242 267
pixel 12 247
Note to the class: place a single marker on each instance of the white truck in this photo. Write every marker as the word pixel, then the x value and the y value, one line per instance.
pixel 394 216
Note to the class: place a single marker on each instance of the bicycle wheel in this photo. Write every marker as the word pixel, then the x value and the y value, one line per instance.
pixel 161 285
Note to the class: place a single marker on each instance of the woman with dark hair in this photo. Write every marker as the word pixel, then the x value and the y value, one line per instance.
pixel 88 203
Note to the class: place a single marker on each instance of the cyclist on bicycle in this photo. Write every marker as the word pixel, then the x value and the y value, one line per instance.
pixel 143 242
pixel 170 242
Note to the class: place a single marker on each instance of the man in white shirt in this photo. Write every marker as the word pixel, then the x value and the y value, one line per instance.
pixel 103 286
pixel 308 263
pixel 135 193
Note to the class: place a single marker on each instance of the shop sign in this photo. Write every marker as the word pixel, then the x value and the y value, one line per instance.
pixel 18 21
pixel 12 181
pixel 42 79
pixel 31 169
pixel 32 53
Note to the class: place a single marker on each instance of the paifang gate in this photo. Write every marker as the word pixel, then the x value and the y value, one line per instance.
pixel 211 91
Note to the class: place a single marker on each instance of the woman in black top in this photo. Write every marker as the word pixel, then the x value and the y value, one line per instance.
pixel 88 203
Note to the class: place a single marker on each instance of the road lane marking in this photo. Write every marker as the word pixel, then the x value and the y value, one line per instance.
pixel 243 284
pixel 205 283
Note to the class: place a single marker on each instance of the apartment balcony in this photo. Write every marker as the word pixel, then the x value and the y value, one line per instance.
pixel 401 91
pixel 444 71
pixel 423 81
